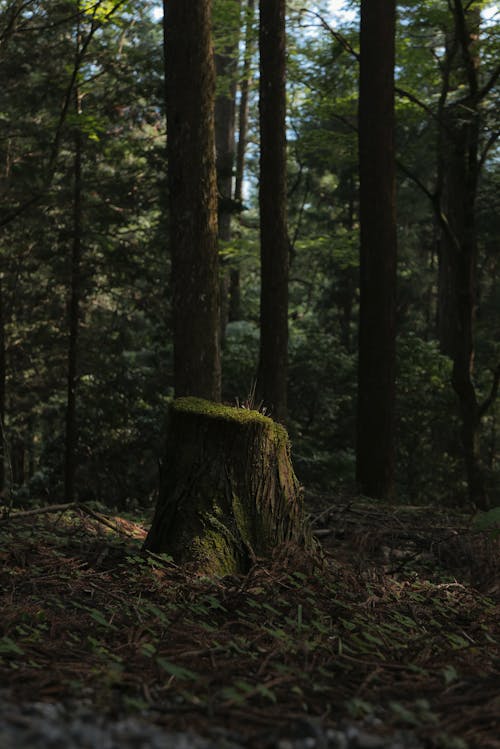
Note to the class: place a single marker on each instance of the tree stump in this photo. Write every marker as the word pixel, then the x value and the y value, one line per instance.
pixel 228 492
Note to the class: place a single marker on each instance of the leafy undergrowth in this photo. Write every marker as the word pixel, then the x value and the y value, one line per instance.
pixel 400 621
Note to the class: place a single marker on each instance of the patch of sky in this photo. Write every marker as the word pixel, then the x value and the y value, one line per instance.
pixel 340 11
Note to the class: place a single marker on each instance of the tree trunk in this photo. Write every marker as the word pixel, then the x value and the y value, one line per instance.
pixel 190 92
pixel 273 360
pixel 377 327
pixel 458 162
pixel 228 491
pixel 18 461
pixel 3 377
pixel 226 65
pixel 74 308
pixel 246 78
pixel 234 311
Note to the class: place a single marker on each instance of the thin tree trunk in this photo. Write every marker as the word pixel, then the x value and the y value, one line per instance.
pixel 3 376
pixel 190 92
pixel 74 317
pixel 377 328
pixel 456 206
pixel 246 77
pixel 18 460
pixel 226 65
pixel 273 361
pixel 348 276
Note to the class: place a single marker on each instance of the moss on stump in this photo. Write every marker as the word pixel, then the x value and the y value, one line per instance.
pixel 228 491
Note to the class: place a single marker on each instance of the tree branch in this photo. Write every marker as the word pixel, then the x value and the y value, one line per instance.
pixel 485 90
pixel 411 175
pixel 483 408
pixel 335 34
pixel 489 145
pixel 425 107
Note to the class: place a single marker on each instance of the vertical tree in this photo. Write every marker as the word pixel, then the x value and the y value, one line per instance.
pixel 3 374
pixel 227 32
pixel 234 286
pixel 459 165
pixel 190 91
pixel 376 383
pixel 272 376
pixel 74 292
pixel 466 132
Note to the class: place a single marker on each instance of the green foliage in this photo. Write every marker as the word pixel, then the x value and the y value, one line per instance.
pixel 122 385
pixel 322 400
pixel 428 465
pixel 240 355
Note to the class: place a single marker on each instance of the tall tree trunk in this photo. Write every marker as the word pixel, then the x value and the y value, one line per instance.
pixel 190 92
pixel 74 316
pixel 377 326
pixel 457 180
pixel 348 276
pixel 246 79
pixel 3 376
pixel 17 456
pixel 273 361
pixel 226 65
pixel 234 285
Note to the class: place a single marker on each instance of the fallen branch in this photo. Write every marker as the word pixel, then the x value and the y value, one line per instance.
pixel 38 511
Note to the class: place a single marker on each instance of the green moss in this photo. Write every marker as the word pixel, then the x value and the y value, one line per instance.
pixel 199 406
pixel 249 526
pixel 216 553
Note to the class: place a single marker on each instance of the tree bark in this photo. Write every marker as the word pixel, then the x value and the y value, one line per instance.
pixel 18 453
pixel 74 305
pixel 377 325
pixel 3 377
pixel 273 360
pixel 226 65
pixel 228 492
pixel 190 92
pixel 234 311
pixel 246 78
pixel 458 174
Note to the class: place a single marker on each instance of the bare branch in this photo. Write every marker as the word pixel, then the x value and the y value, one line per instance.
pixel 425 107
pixel 414 178
pixel 485 90
pixel 39 511
pixel 483 408
pixel 487 148
pixel 335 34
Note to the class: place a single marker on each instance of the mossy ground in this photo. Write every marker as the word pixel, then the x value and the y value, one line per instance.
pixel 394 625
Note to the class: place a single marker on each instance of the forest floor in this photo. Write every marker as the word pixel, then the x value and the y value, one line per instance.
pixel 400 625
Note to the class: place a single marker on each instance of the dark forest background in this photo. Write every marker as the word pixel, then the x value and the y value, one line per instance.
pixel 85 292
